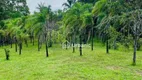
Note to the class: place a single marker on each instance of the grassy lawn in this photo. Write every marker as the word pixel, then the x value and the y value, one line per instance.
pixel 64 65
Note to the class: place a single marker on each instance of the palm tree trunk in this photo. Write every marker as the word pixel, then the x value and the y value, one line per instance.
pixel 7 54
pixel 26 42
pixel 74 43
pixel 73 47
pixel 15 44
pixel 33 41
pixel 66 44
pixel 3 41
pixel 92 41
pixel 80 45
pixel 11 42
pixel 135 50
pixel 46 45
pixel 20 48
pixel 107 45
pixel 38 43
pixel 46 50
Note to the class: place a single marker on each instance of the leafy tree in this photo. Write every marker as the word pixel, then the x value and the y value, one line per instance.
pixel 13 9
pixel 123 16
pixel 76 20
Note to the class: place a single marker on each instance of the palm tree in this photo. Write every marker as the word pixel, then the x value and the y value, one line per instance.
pixel 133 21
pixel 39 24
pixel 69 4
pixel 75 21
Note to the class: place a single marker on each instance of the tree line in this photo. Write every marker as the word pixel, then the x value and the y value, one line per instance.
pixel 113 22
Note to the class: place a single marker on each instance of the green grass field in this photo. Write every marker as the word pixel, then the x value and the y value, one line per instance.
pixel 64 65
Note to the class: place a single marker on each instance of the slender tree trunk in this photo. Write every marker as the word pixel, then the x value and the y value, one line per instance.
pixel 107 46
pixel 46 50
pixel 92 41
pixel 33 41
pixel 66 44
pixel 7 54
pixel 38 43
pixel 73 47
pixel 80 45
pixel 46 45
pixel 135 50
pixel 20 48
pixel 26 42
pixel 15 44
pixel 11 43
pixel 70 41
pixel 3 42
pixel 73 43
pixel 16 47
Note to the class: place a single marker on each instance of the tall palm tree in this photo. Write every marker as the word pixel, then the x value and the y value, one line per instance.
pixel 39 23
pixel 77 19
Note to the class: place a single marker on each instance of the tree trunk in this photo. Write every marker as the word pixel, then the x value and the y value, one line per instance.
pixel 92 41
pixel 46 50
pixel 7 54
pixel 20 48
pixel 135 50
pixel 38 43
pixel 66 44
pixel 15 45
pixel 26 42
pixel 11 43
pixel 33 41
pixel 73 48
pixel 80 45
pixel 107 46
pixel 74 43
pixel 3 42
pixel 46 45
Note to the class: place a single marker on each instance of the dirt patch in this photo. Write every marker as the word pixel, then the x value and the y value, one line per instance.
pixel 139 72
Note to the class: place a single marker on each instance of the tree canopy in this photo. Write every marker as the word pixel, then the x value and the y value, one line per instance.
pixel 113 22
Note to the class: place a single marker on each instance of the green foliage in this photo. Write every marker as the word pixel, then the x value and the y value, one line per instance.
pixel 13 9
pixel 119 21
pixel 77 19
pixel 99 6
